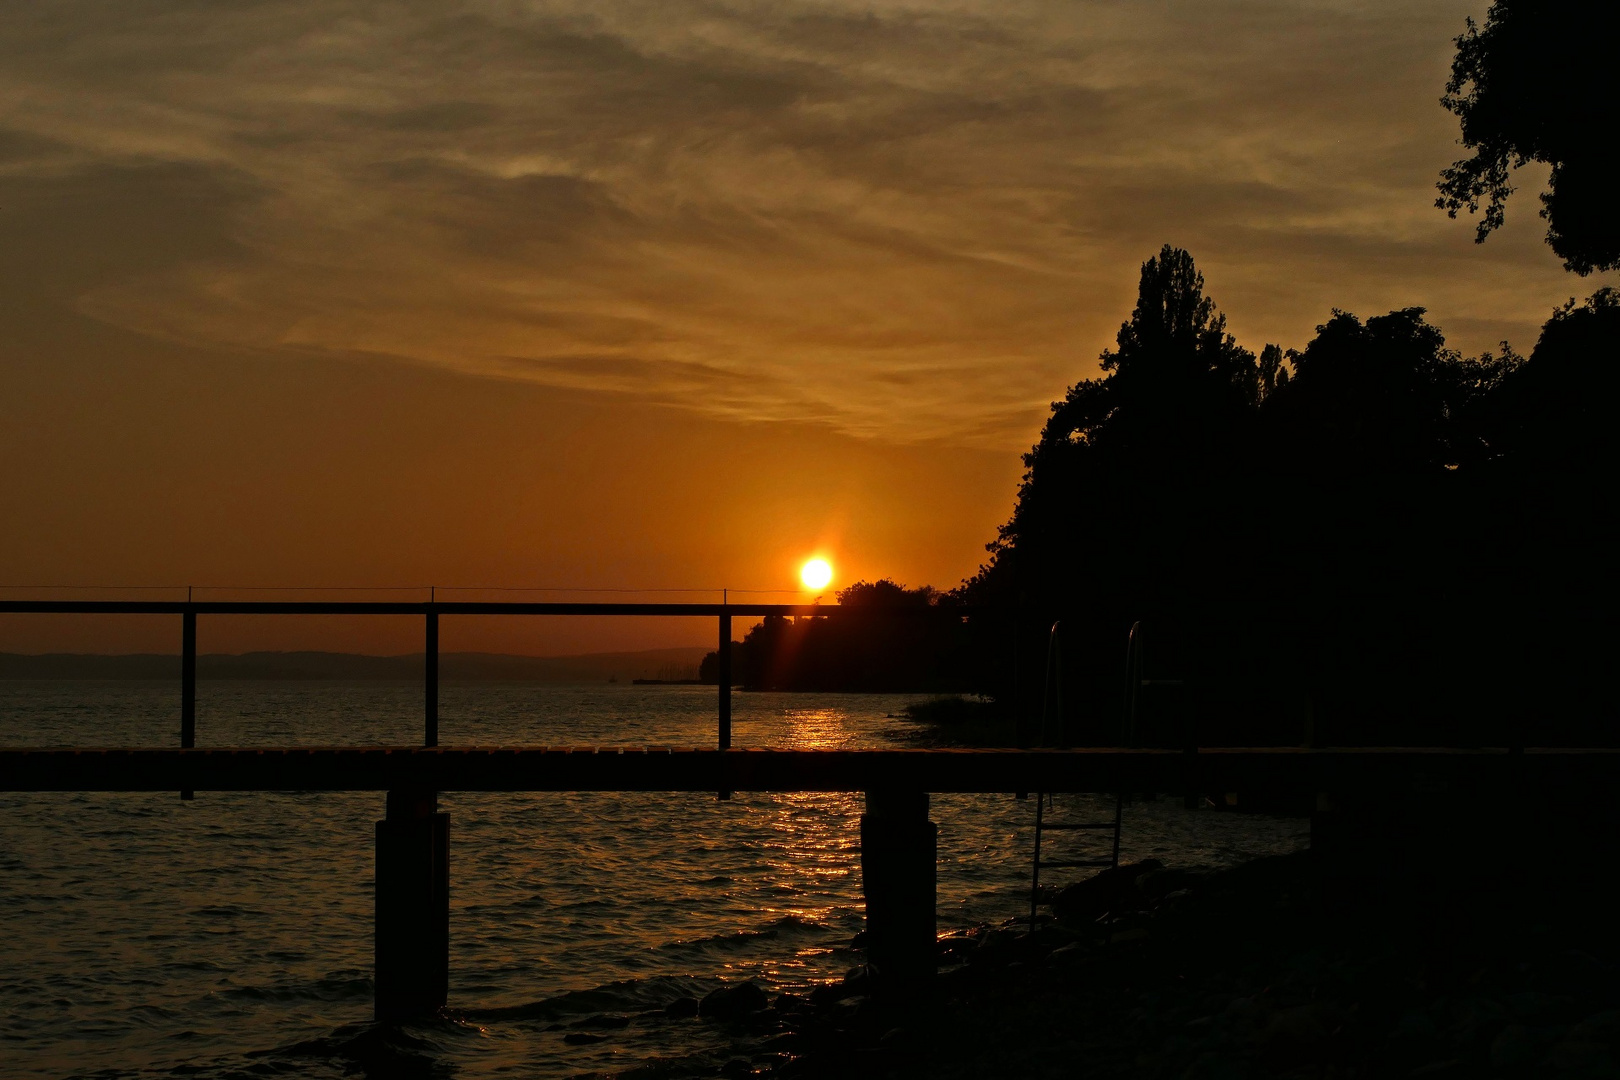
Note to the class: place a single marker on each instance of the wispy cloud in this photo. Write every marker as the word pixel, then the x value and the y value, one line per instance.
pixel 907 221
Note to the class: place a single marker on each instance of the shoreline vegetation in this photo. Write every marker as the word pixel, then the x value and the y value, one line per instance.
pixel 959 720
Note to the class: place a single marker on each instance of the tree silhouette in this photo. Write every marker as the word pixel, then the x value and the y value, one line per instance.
pixel 1536 83
pixel 886 638
pixel 1272 372
pixel 1375 530
pixel 1371 399
pixel 1176 388
pixel 1553 414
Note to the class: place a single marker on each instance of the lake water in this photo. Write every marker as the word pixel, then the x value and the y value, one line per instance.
pixel 231 936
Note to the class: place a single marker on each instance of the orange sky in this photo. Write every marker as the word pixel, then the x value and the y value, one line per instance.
pixel 649 295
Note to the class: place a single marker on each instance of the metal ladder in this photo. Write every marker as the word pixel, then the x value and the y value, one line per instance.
pixel 1052 705
pixel 1135 685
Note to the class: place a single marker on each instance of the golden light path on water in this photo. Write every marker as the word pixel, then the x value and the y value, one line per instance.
pixel 812 849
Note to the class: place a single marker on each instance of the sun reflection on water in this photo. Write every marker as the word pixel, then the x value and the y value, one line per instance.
pixel 817 729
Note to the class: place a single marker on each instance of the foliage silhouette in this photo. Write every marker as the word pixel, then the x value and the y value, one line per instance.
pixel 1535 83
pixel 888 638
pixel 1319 542
pixel 1372 540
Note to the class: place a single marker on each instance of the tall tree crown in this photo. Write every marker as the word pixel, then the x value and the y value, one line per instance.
pixel 1536 83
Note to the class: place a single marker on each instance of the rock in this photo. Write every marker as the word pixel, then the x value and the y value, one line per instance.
pixel 788 1042
pixel 790 1003
pixel 1213 1066
pixel 1416 1024
pixel 826 994
pixel 1599 1027
pixel 1581 1058
pixel 1126 937
pixel 859 979
pixel 1296 1033
pixel 1113 889
pixel 768 1064
pixel 996 948
pixel 1049 938
pixel 1074 950
pixel 1244 1013
pixel 1156 884
pixel 1512 1048
pixel 681 1008
pixel 957 980
pixel 582 1038
pixel 1529 1005
pixel 733 1002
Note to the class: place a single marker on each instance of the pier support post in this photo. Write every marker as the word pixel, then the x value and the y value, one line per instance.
pixel 188 683
pixel 898 850
pixel 412 929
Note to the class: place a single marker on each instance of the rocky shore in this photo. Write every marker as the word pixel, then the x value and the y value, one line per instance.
pixel 1278 968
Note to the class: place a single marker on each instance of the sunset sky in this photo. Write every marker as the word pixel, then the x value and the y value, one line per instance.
pixel 653 296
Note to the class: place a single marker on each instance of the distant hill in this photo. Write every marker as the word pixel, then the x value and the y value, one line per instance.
pixel 665 664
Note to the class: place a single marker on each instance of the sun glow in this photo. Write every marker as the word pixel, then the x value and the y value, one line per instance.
pixel 816 574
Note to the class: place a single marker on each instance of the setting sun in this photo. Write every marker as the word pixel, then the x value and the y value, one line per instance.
pixel 816 574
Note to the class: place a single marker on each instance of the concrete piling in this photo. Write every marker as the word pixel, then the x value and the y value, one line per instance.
pixel 898 851
pixel 412 943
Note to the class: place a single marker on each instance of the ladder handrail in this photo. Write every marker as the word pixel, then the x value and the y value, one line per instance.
pixel 1134 649
pixel 1052 695
pixel 1052 689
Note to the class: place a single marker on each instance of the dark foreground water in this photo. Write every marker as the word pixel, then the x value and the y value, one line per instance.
pixel 231 936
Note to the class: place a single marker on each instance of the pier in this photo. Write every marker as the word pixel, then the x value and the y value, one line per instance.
pixel 413 839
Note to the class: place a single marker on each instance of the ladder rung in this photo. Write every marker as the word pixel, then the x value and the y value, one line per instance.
pixel 1044 865
pixel 1078 825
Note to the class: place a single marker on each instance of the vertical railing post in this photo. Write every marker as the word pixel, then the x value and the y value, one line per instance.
pixel 724 679
pixel 1192 787
pixel 188 681
pixel 430 662
pixel 725 682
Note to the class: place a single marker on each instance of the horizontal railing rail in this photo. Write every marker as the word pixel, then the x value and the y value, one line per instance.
pixel 473 607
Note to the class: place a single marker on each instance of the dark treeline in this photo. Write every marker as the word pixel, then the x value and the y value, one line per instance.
pixel 889 638
pixel 1373 539
pixel 1370 540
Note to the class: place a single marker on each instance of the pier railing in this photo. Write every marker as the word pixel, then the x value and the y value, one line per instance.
pixel 430 612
